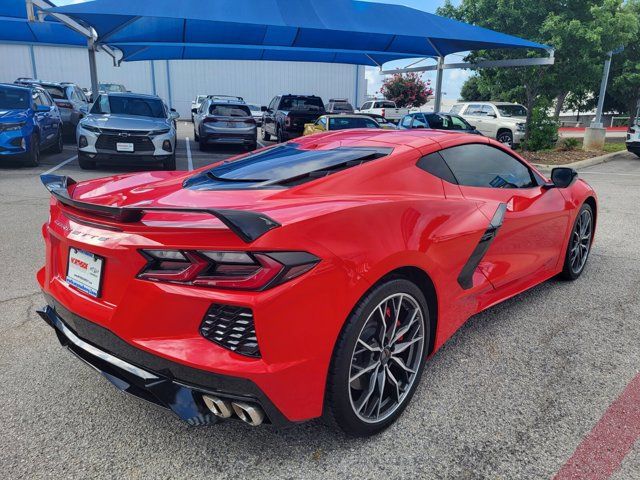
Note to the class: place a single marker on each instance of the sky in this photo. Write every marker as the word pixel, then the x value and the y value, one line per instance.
pixel 452 80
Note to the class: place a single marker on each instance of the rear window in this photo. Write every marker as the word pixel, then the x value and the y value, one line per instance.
pixel 225 110
pixel 57 93
pixel 283 165
pixel 14 98
pixel 301 103
pixel 342 107
pixel 456 108
pixel 385 105
pixel 345 123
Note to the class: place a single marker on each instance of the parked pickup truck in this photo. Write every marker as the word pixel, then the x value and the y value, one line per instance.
pixel 286 116
pixel 385 108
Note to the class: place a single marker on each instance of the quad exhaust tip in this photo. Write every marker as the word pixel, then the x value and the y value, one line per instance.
pixel 248 413
pixel 220 408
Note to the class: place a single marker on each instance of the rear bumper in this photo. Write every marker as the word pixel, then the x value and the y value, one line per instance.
pixel 168 384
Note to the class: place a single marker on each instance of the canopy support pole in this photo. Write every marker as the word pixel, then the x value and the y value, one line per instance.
pixel 439 75
pixel 93 68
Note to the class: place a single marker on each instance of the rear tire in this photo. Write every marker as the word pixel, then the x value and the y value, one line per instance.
pixel 579 245
pixel 391 353
pixel 170 163
pixel 252 147
pixel 196 137
pixel 202 145
pixel 265 136
pixel 278 135
pixel 33 155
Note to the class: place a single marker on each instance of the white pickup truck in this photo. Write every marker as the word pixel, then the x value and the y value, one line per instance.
pixel 386 108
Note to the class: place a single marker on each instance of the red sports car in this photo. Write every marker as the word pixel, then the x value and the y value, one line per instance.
pixel 308 279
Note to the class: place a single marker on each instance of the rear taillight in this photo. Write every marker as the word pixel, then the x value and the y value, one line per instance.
pixel 230 270
pixel 64 105
pixel 383 112
pixel 249 121
pixel 210 120
pixel 287 121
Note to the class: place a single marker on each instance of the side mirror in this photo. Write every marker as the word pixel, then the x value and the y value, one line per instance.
pixel 563 177
pixel 263 108
pixel 173 114
pixel 472 127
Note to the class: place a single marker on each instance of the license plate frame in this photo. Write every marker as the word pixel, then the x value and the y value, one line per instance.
pixel 91 283
pixel 127 147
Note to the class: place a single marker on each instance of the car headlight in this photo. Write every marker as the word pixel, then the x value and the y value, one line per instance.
pixel 521 127
pixel 164 131
pixel 89 128
pixel 11 127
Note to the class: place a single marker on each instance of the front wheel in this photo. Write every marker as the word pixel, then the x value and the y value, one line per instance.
pixel 378 359
pixel 59 145
pixel 579 244
pixel 33 155
pixel 170 163
pixel 506 138
pixel 265 136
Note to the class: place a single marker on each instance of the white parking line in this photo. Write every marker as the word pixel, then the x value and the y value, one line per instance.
pixel 189 159
pixel 62 164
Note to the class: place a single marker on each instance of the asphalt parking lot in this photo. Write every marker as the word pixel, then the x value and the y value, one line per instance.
pixel 511 396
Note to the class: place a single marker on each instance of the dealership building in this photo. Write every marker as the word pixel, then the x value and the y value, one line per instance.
pixel 179 81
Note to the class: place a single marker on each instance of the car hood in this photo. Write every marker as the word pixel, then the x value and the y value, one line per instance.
pixel 12 115
pixel 126 122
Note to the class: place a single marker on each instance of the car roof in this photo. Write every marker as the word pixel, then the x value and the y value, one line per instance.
pixel 132 95
pixel 21 87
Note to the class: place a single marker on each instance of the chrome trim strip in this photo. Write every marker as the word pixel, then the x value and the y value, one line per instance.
pixel 96 352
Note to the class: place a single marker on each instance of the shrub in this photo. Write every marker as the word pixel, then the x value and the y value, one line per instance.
pixel 543 130
pixel 569 144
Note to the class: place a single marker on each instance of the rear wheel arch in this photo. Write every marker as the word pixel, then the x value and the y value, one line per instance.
pixel 423 281
pixel 594 208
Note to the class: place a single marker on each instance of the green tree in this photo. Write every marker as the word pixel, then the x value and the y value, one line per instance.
pixel 581 31
pixel 407 90
pixel 472 90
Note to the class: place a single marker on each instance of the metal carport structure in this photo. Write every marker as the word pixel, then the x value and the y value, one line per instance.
pixel 332 31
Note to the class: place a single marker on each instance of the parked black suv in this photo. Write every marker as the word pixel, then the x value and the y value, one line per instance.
pixel 286 115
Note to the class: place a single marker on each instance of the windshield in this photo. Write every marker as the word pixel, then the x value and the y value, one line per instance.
pixel 254 108
pixel 226 110
pixel 111 87
pixel 57 93
pixel 14 98
pixel 345 123
pixel 200 98
pixel 512 110
pixel 385 105
pixel 135 106
pixel 301 103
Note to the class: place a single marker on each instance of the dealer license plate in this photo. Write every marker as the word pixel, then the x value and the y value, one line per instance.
pixel 124 147
pixel 84 271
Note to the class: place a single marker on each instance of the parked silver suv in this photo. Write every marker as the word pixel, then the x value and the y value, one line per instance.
pixel 224 121
pixel 128 129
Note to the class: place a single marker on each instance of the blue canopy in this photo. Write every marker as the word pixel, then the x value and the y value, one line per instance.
pixel 333 31
pixel 14 27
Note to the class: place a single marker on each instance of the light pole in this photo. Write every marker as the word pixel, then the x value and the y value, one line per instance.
pixel 595 135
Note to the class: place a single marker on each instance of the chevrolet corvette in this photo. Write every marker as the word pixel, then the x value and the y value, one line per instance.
pixel 308 279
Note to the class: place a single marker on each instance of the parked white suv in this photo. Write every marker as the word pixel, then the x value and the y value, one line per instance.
pixel 503 121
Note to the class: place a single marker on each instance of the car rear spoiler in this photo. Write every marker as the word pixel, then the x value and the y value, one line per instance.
pixel 249 226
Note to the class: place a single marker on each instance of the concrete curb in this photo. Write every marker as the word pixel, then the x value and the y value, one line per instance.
pixel 589 162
